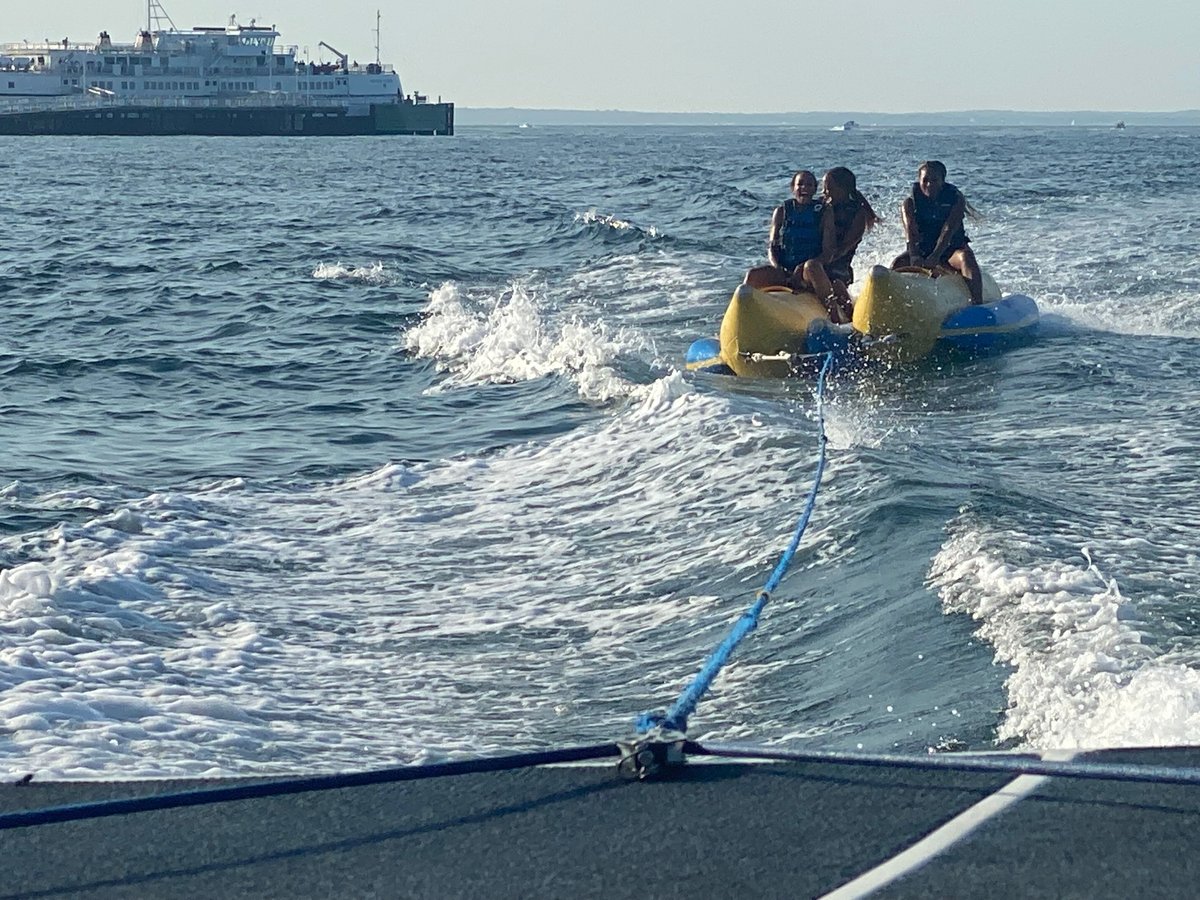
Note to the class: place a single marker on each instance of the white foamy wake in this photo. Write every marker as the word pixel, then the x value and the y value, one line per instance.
pixel 534 597
pixel 512 338
pixel 1084 674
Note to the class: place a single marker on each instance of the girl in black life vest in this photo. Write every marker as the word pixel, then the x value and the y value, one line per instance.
pixel 933 225
pixel 852 216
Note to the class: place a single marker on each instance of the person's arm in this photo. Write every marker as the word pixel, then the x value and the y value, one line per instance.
pixel 854 236
pixel 774 247
pixel 953 223
pixel 912 236
pixel 828 235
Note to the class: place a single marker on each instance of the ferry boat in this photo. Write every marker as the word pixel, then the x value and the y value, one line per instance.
pixel 204 80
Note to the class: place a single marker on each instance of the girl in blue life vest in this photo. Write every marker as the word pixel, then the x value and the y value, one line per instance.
pixel 799 230
pixel 933 226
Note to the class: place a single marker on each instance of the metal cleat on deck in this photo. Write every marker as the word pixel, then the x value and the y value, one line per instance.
pixel 652 754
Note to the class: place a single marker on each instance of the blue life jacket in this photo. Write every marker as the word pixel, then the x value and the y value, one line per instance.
pixel 931 216
pixel 800 236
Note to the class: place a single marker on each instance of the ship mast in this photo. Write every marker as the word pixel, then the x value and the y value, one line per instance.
pixel 377 61
pixel 155 16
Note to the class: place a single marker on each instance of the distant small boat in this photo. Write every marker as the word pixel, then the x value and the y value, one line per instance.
pixel 1120 124
pixel 845 126
pixel 524 125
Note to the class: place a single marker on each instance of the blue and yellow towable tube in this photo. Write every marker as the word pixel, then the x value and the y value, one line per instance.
pixel 899 316
pixel 765 332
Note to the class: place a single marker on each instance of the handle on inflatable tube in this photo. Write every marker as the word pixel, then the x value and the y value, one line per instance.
pixel 935 272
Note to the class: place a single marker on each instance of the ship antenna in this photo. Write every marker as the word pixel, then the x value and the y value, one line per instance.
pixel 377 60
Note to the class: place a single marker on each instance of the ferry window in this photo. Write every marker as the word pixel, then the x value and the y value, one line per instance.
pixel 12 85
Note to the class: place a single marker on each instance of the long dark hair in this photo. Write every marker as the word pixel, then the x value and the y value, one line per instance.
pixel 844 178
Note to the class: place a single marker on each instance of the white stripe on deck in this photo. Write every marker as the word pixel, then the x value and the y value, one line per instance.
pixel 943 838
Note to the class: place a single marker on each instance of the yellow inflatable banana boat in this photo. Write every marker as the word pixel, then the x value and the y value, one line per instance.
pixel 899 316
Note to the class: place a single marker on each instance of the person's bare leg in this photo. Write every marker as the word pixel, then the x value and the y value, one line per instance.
pixel 814 274
pixel 845 304
pixel 767 276
pixel 964 261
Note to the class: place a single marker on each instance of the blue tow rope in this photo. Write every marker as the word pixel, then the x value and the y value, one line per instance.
pixel 676 717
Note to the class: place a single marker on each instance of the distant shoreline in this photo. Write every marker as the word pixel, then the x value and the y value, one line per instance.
pixel 516 116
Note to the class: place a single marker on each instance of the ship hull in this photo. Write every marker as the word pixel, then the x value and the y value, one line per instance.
pixel 132 119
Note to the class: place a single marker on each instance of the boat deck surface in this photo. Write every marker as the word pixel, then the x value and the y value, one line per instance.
pixel 714 830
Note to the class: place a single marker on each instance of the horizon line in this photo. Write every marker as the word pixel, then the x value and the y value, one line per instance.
pixel 840 112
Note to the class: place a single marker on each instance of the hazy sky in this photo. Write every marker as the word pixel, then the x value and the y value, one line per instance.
pixel 709 56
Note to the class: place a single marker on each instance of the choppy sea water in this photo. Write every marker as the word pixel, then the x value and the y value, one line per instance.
pixel 335 453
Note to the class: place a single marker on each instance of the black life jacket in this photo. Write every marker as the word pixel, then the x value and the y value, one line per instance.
pixel 844 214
pixel 931 215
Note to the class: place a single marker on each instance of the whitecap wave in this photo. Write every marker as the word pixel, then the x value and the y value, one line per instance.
pixel 1084 674
pixel 592 217
pixel 372 274
pixel 513 338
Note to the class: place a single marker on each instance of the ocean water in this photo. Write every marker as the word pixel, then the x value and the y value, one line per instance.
pixel 328 454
